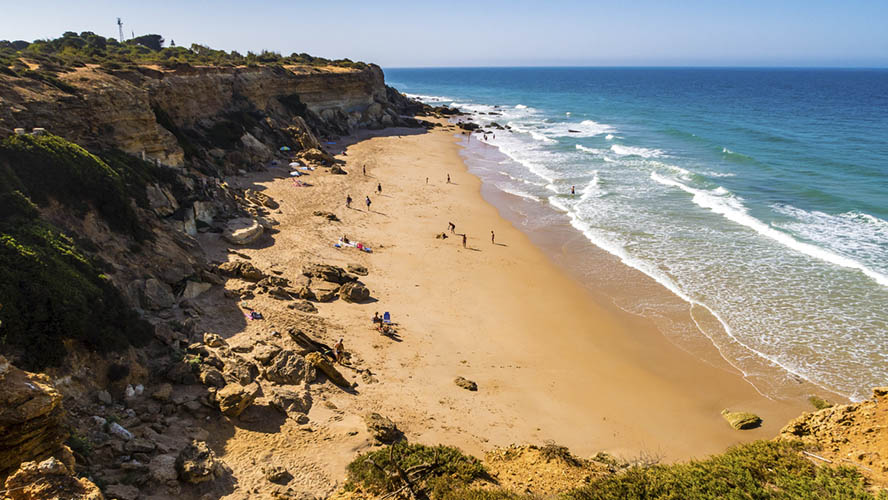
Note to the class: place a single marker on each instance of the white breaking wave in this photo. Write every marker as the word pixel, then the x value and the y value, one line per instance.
pixel 621 150
pixel 520 106
pixel 609 137
pixel 516 192
pixel 732 209
pixel 429 98
pixel 719 174
pixel 585 128
pixel 594 151
pixel 518 179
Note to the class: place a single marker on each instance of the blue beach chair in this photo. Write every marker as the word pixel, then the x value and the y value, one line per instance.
pixel 387 318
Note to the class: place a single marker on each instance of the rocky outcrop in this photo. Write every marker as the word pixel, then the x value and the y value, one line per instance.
pixel 197 463
pixel 31 417
pixel 853 434
pixel 49 480
pixel 354 292
pixel 242 231
pixel 287 367
pixel 326 272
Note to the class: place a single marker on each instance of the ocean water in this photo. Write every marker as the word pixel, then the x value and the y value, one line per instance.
pixel 759 195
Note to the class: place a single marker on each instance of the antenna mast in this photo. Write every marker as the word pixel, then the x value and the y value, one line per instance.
pixel 120 28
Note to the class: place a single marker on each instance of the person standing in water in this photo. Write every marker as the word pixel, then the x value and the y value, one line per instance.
pixel 573 190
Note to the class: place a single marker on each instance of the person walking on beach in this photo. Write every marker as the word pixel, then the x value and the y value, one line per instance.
pixel 492 238
pixel 427 180
pixel 364 169
pixel 452 226
pixel 464 241
pixel 348 201
pixel 379 187
pixel 448 178
pixel 367 201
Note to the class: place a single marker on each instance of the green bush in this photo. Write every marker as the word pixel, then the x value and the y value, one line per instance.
pixel 449 469
pixel 50 290
pixel 758 470
pixel 819 403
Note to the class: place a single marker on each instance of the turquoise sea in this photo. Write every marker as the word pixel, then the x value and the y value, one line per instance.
pixel 757 195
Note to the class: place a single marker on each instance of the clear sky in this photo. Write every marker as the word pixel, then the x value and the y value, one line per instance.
pixel 493 32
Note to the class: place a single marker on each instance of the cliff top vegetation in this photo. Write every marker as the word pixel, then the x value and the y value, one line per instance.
pixel 45 59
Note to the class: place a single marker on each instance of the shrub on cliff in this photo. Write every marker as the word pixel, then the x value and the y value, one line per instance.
pixel 760 470
pixel 48 168
pixel 50 291
pixel 433 470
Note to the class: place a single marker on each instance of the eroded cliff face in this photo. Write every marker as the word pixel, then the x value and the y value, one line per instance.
pixel 202 114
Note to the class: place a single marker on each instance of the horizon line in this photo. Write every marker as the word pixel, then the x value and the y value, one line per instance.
pixel 547 66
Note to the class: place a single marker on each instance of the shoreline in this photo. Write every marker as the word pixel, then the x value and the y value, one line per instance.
pixel 617 284
pixel 528 361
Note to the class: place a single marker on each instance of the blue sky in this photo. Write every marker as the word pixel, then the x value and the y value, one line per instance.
pixel 493 32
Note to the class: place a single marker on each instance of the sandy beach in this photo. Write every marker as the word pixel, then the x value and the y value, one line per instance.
pixel 553 360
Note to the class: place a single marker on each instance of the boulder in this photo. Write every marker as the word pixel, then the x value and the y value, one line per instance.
pixel 305 293
pixel 264 353
pixel 163 393
pixel 326 272
pixel 139 445
pixel 161 200
pixel 118 430
pixel 290 401
pixel 741 419
pixel 354 292
pixel 316 155
pixel 211 377
pixel 261 199
pixel 325 291
pixel 336 169
pixel 31 417
pixel 280 293
pixel 318 361
pixel 357 269
pixel 304 306
pixel 197 463
pixel 162 469
pixel 239 370
pixel 466 384
pixel 233 399
pixel 287 367
pixel 382 428
pixel 194 289
pixel 157 295
pixel 49 479
pixel 214 340
pixel 242 231
pixel 104 397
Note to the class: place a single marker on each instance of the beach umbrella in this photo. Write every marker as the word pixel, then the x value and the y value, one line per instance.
pixel 285 148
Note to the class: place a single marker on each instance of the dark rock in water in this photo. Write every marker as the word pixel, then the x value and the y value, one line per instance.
pixel 197 463
pixel 470 126
pixel 354 292
pixel 741 419
pixel 382 428
pixel 466 384
pixel 573 131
